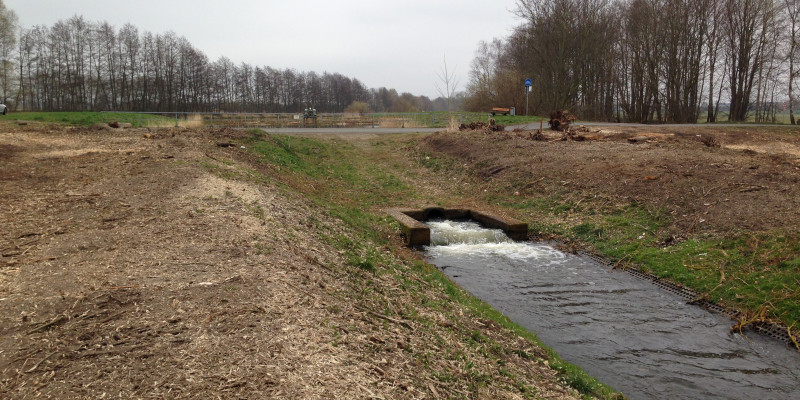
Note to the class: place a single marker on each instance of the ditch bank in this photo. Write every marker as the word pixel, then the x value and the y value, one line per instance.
pixel 708 208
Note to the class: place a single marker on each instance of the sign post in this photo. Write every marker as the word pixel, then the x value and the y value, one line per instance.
pixel 528 83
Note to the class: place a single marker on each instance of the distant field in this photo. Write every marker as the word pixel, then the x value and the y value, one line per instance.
pixel 271 120
pixel 87 118
pixel 780 118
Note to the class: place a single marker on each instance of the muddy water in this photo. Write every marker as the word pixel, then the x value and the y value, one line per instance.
pixel 642 341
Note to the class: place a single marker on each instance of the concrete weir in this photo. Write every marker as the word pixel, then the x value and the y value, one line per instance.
pixel 417 233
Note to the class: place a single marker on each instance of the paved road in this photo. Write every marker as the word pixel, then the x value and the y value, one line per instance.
pixel 344 131
pixel 535 125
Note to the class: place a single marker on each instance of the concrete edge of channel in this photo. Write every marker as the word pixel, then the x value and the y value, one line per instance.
pixel 416 233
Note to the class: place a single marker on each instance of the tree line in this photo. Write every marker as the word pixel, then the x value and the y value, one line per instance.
pixel 645 60
pixel 79 65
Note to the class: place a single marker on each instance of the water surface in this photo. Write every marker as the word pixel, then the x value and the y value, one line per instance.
pixel 640 340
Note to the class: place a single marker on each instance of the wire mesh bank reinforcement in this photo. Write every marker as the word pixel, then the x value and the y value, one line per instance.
pixel 775 331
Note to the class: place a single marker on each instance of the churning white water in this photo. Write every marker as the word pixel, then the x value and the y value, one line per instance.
pixel 631 335
pixel 469 239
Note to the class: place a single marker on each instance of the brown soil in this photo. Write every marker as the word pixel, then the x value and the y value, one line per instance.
pixel 157 264
pixel 708 179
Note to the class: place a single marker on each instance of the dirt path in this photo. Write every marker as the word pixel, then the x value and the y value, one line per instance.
pixel 162 264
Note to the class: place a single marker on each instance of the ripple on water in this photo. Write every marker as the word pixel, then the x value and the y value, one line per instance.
pixel 631 335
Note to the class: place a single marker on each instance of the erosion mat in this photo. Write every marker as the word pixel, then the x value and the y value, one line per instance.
pixel 168 263
pixel 711 208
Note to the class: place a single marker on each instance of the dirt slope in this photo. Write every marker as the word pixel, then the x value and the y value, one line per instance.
pixel 153 264
pixel 708 180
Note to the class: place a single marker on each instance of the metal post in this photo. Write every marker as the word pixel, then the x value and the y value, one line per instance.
pixel 140 120
pixel 176 120
pixel 528 85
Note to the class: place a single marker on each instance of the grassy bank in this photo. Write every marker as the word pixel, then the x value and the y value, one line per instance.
pixel 355 181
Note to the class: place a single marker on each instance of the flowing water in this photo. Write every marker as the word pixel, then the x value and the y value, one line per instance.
pixel 640 340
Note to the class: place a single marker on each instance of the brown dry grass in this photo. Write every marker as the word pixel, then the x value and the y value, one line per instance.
pixel 750 182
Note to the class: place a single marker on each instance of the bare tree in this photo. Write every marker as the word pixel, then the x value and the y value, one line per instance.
pixel 565 45
pixel 487 80
pixel 8 43
pixel 712 44
pixel 746 23
pixel 792 10
pixel 686 23
pixel 640 53
pixel 447 84
pixel 82 65
pixel 771 69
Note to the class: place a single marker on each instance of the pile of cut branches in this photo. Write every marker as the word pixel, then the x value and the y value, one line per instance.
pixel 560 120
pixel 490 127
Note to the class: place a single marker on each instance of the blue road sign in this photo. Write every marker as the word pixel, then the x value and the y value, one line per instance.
pixel 528 82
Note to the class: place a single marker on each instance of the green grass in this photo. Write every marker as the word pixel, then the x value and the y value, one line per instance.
pixel 781 118
pixel 339 175
pixel 89 118
pixel 748 271
pixel 744 270
pixel 518 119
pixel 70 118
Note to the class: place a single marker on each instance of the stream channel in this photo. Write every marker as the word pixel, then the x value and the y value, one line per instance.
pixel 631 335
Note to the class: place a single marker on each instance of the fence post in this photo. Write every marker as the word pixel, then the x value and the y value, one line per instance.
pixel 176 120
pixel 140 120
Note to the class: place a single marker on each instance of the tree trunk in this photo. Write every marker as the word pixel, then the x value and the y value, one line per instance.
pixel 792 49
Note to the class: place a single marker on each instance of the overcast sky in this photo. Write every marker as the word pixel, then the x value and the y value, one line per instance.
pixel 391 43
